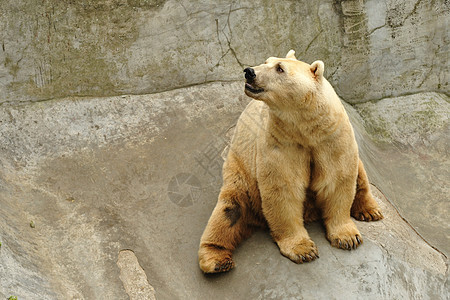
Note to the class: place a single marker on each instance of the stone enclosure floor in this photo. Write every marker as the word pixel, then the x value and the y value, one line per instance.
pixel 119 190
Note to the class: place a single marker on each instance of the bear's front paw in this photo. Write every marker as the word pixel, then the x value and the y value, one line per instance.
pixel 215 260
pixel 299 251
pixel 345 237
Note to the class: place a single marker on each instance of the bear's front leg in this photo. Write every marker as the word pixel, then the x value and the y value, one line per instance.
pixel 335 204
pixel 335 197
pixel 334 175
pixel 282 206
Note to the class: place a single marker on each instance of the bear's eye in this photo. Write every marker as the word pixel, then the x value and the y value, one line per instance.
pixel 279 69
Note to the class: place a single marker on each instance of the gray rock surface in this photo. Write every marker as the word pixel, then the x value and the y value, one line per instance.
pixel 372 49
pixel 114 115
pixel 133 277
pixel 407 145
pixel 133 172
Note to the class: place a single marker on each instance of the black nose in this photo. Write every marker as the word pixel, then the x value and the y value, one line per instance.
pixel 249 74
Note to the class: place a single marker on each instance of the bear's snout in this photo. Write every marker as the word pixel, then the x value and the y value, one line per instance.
pixel 249 74
pixel 251 87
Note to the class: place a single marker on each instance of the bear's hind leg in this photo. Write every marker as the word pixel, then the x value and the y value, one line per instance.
pixel 226 228
pixel 311 212
pixel 364 207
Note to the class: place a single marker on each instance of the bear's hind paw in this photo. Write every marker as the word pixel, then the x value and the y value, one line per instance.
pixel 216 261
pixel 224 266
pixel 368 215
pixel 218 266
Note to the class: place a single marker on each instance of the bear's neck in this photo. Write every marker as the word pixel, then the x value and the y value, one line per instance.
pixel 308 126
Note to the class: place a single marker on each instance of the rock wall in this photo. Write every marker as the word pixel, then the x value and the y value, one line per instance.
pixel 372 49
pixel 404 144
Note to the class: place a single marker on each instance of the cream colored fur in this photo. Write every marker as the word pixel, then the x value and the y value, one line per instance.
pixel 293 156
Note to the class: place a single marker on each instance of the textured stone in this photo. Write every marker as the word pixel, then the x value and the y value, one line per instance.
pixel 418 121
pixel 408 148
pixel 371 49
pixel 352 7
pixel 99 175
pixel 99 180
pixel 133 277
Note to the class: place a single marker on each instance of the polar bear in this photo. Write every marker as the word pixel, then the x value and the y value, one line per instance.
pixel 293 159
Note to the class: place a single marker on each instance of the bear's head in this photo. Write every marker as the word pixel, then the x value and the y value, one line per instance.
pixel 282 82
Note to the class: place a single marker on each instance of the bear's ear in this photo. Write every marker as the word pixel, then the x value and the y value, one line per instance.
pixel 317 68
pixel 291 54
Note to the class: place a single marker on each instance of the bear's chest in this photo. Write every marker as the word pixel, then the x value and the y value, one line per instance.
pixel 288 163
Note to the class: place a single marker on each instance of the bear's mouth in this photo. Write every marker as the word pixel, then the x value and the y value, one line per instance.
pixel 253 89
